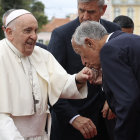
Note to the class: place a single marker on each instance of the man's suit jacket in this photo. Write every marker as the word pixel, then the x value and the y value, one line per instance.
pixel 41 45
pixel 60 46
pixel 120 60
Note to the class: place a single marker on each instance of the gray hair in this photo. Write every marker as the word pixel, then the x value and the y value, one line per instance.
pixel 89 29
pixel 12 24
pixel 6 14
pixel 100 2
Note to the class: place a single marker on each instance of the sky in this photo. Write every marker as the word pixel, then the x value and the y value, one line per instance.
pixel 59 8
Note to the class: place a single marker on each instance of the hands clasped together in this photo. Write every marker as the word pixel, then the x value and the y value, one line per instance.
pixel 86 74
pixel 92 75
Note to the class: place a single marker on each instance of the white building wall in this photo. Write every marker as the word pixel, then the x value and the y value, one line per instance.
pixel 44 36
pixel 108 13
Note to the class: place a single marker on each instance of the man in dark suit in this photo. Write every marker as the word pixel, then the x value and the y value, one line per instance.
pixel 125 22
pixel 41 45
pixel 118 54
pixel 70 117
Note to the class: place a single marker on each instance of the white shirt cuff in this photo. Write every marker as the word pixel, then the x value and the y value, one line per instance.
pixel 73 119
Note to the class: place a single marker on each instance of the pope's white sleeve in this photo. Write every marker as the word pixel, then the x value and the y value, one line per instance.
pixel 70 90
pixel 8 130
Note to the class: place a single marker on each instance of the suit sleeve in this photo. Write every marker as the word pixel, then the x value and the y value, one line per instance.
pixel 57 46
pixel 41 45
pixel 121 81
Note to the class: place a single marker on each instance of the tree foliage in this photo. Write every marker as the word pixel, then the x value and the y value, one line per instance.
pixel 16 4
pixel 1 13
pixel 34 6
pixel 38 11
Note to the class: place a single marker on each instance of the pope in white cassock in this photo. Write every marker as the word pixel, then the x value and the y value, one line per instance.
pixel 29 77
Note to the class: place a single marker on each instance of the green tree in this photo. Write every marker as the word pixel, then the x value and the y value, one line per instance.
pixel 1 13
pixel 16 4
pixel 38 11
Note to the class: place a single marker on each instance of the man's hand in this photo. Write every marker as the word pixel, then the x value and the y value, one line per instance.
pixel 85 126
pixel 84 75
pixel 107 113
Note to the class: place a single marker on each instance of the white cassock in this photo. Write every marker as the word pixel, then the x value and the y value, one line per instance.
pixel 22 78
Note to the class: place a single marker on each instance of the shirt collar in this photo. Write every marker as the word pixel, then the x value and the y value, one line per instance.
pixel 108 37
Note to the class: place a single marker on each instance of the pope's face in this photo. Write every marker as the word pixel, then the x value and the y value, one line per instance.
pixel 24 35
pixel 90 11
pixel 89 55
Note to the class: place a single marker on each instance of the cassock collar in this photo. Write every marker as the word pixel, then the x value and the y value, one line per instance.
pixel 14 49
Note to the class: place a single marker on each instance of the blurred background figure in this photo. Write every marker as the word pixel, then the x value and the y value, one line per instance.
pixel 126 23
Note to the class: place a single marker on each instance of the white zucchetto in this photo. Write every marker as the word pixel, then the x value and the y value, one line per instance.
pixel 16 13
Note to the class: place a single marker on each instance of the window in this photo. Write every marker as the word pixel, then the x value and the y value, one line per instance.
pixel 131 2
pixel 40 41
pixel 130 12
pixel 116 12
pixel 116 2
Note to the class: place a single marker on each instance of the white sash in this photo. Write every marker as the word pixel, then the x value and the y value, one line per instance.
pixel 31 126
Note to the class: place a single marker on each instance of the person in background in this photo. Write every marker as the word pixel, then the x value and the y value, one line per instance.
pixel 70 117
pixel 3 27
pixel 30 77
pixel 125 22
pixel 118 55
pixel 41 45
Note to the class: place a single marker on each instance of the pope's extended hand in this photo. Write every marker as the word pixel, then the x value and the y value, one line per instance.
pixel 85 126
pixel 86 74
